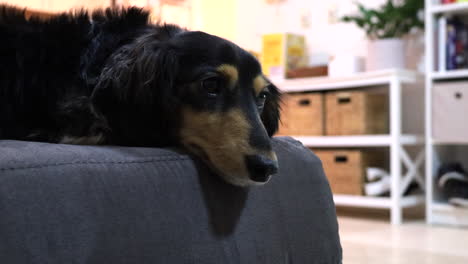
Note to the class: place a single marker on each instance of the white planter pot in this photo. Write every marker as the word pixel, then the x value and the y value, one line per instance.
pixel 385 54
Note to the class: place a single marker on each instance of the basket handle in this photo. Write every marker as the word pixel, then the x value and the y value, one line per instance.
pixel 304 102
pixel 341 159
pixel 344 100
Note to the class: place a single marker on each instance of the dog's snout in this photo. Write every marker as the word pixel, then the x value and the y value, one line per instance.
pixel 261 167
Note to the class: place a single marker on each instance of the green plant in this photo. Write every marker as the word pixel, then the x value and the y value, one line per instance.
pixel 390 20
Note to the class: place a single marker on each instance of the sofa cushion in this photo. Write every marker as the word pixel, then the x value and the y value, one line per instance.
pixel 109 204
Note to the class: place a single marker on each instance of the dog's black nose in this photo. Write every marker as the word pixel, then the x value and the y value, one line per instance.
pixel 260 167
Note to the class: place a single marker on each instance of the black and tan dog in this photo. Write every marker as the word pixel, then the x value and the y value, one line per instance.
pixel 114 78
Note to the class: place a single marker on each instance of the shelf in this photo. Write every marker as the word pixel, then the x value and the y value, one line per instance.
pixel 376 202
pixel 357 141
pixel 457 8
pixel 365 79
pixel 398 82
pixel 445 142
pixel 447 75
pixel 444 213
pixel 439 212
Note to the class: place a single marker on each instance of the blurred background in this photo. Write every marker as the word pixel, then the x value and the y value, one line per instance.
pixel 246 21
pixel 376 88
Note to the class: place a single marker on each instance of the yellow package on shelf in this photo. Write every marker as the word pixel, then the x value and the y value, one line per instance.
pixel 281 53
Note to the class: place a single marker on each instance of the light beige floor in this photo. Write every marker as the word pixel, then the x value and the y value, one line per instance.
pixel 367 240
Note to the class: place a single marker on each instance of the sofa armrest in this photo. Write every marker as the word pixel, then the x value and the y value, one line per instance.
pixel 107 204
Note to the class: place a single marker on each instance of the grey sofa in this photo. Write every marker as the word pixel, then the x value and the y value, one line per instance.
pixel 89 204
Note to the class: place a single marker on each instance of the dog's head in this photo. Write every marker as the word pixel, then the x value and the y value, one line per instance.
pixel 209 94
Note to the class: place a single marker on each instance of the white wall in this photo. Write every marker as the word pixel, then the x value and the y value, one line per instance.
pixel 245 21
pixel 58 5
pixel 217 17
pixel 308 17
pixel 34 4
pixel 316 19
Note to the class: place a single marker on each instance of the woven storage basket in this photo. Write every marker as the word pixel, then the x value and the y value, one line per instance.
pixel 302 115
pixel 346 169
pixel 356 113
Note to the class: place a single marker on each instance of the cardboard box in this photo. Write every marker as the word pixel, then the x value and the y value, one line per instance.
pixel 282 52
pixel 449 107
pixel 345 65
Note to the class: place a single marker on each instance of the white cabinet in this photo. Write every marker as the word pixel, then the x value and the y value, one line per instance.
pixel 405 90
pixel 446 115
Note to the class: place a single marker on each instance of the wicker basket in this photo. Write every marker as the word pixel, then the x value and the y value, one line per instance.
pixel 346 169
pixel 302 114
pixel 356 113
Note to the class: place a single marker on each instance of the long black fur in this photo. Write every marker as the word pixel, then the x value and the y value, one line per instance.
pixel 107 73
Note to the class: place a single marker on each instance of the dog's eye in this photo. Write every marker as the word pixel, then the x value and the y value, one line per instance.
pixel 261 98
pixel 211 86
pixel 263 95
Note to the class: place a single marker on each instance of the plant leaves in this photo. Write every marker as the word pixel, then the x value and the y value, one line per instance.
pixel 389 20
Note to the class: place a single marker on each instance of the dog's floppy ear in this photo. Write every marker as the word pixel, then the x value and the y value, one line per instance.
pixel 135 73
pixel 271 111
pixel 135 89
pixel 138 76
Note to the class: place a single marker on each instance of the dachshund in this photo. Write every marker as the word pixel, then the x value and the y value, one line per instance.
pixel 110 77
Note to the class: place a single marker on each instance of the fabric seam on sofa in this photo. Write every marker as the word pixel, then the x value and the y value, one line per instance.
pixel 146 160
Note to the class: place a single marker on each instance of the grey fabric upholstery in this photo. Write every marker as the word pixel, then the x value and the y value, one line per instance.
pixel 95 204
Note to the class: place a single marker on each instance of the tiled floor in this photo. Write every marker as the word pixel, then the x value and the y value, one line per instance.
pixel 365 240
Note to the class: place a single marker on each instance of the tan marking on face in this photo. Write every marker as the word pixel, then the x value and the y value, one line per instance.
pixel 224 139
pixel 231 73
pixel 259 84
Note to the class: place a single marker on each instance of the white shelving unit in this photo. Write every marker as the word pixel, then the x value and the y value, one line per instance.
pixel 396 141
pixel 358 141
pixel 448 75
pixel 437 210
pixel 455 8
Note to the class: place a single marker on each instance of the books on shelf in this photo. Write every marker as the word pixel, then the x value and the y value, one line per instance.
pixel 452 1
pixel 452 42
pixel 442 43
